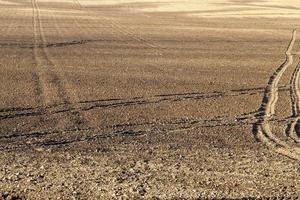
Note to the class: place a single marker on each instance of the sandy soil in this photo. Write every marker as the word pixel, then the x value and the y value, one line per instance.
pixel 149 99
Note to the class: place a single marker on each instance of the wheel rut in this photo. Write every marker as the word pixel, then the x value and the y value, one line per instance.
pixel 126 31
pixel 292 129
pixel 62 137
pixel 52 109
pixel 50 86
pixel 262 129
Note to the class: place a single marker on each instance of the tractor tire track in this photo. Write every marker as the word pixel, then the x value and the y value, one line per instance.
pixel 11 113
pixel 44 62
pixel 118 27
pixel 50 86
pixel 27 139
pixel 126 31
pixel 292 131
pixel 39 90
pixel 80 118
pixel 62 137
pixel 262 129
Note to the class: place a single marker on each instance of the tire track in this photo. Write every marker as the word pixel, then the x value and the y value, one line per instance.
pixel 292 129
pixel 61 142
pixel 125 31
pixel 118 27
pixel 87 30
pixel 50 87
pixel 62 137
pixel 48 45
pixel 44 62
pixel 262 129
pixel 80 118
pixel 11 113
pixel 39 90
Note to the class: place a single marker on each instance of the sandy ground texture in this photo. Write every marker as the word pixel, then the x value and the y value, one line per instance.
pixel 149 99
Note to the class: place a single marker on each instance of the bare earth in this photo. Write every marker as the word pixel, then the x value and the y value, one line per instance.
pixel 149 99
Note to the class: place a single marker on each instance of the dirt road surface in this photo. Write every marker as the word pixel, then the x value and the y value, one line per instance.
pixel 149 99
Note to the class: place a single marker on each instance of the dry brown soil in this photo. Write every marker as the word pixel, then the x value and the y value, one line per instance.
pixel 149 99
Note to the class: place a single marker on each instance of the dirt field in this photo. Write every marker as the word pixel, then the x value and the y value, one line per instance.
pixel 146 99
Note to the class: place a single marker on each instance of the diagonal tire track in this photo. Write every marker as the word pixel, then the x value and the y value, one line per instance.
pixel 118 27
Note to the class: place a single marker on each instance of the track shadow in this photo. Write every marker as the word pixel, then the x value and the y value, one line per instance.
pixel 17 112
